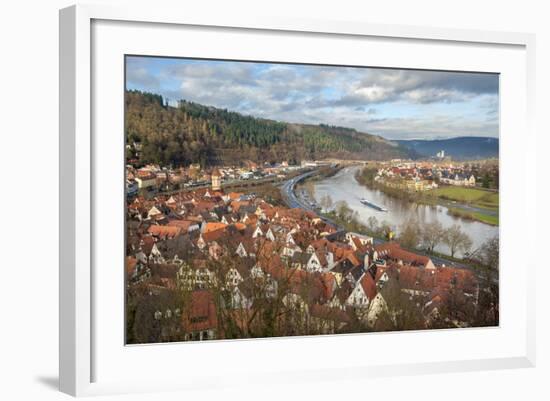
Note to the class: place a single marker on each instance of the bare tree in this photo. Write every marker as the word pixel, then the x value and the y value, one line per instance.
pixel 457 240
pixel 343 210
pixel 372 224
pixel 326 203
pixel 432 234
pixel 490 253
pixel 409 236
pixel 402 313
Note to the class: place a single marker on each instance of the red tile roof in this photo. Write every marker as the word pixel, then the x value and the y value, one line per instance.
pixel 213 226
pixel 369 286
pixel 394 251
pixel 183 224
pixel 164 231
pixel 202 312
pixel 213 235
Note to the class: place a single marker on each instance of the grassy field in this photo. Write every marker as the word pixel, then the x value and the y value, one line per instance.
pixel 473 196
pixel 465 214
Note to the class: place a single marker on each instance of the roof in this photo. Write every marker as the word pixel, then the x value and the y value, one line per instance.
pixel 183 224
pixel 321 256
pixel 394 251
pixel 205 206
pixel 369 286
pixel 213 226
pixel 234 195
pixel 328 313
pixel 213 235
pixel 162 271
pixel 236 204
pixel 164 231
pixel 202 312
pixel 239 226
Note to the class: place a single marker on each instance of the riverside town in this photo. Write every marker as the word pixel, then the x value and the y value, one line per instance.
pixel 248 214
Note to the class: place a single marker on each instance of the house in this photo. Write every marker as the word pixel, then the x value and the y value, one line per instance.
pixel 458 179
pixel 149 252
pixel 233 277
pixel 200 322
pixel 207 237
pixel 392 250
pixel 146 180
pixel 363 292
pixel 377 306
pixel 289 250
pixel 319 261
pixel 136 271
pixel 196 277
pixel 246 248
pixel 154 212
pixel 299 260
pixel 357 241
pixel 242 295
pixel 324 319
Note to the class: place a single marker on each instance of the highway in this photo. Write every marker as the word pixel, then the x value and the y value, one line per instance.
pixel 290 197
pixel 292 201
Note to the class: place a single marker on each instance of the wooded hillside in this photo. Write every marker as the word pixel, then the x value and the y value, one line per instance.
pixel 194 133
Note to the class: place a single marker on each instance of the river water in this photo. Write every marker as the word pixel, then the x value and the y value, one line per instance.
pixel 343 186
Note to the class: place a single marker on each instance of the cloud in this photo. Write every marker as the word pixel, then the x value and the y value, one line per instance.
pixel 430 127
pixel 405 102
pixel 419 87
pixel 138 74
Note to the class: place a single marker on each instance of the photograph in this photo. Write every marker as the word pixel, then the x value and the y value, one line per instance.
pixel 272 199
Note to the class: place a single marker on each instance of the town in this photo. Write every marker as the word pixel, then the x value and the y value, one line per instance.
pixel 152 179
pixel 426 175
pixel 203 263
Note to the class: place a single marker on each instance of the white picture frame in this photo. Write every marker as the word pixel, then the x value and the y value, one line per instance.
pixel 79 346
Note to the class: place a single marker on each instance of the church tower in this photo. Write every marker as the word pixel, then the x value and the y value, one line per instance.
pixel 216 180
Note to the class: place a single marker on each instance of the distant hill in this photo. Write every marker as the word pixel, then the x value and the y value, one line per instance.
pixel 461 148
pixel 191 133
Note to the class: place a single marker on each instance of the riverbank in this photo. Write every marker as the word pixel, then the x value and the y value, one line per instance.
pixel 462 202
pixel 490 219
pixel 351 224
pixel 344 189
pixel 350 215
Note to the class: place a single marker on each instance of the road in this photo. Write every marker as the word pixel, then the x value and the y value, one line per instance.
pixel 292 201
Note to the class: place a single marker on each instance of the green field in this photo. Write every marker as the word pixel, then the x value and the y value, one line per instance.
pixel 473 196
pixel 484 218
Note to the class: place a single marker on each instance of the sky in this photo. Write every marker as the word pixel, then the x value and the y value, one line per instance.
pixel 393 103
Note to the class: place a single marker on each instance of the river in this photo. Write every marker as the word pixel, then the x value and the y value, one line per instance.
pixel 343 186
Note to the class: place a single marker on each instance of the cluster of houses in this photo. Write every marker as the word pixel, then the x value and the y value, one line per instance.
pixel 424 176
pixel 236 251
pixel 152 178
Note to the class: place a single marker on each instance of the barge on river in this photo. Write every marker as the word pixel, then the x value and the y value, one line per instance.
pixel 373 205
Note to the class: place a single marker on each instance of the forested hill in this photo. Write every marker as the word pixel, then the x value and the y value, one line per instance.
pixel 194 133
